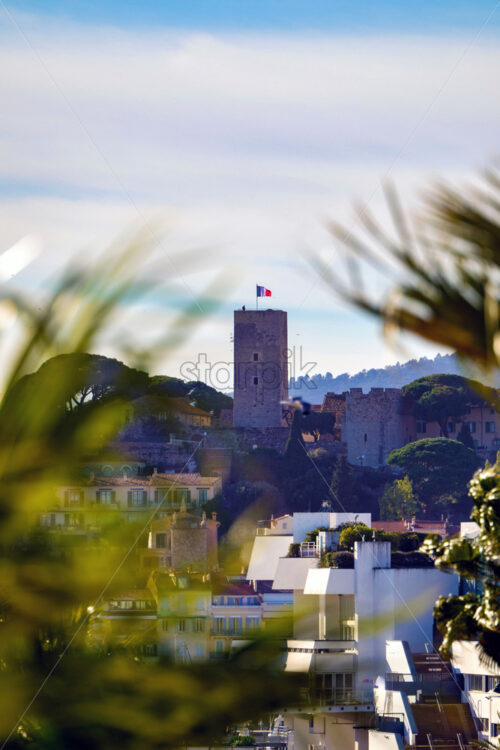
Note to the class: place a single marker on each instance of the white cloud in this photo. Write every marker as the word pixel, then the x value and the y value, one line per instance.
pixel 246 142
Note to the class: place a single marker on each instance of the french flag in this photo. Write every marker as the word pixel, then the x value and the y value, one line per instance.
pixel 263 292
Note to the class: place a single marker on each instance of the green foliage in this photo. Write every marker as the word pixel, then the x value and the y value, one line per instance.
pixel 294 550
pixel 59 688
pixel 398 501
pixel 477 560
pixel 443 292
pixel 200 394
pixel 296 458
pixel 355 533
pixel 441 267
pixel 440 398
pixel 415 559
pixel 311 536
pixel 341 560
pixel 439 470
pixel 238 740
pixel 343 486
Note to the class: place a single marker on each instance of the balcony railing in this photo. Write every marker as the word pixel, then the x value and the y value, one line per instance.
pixel 308 549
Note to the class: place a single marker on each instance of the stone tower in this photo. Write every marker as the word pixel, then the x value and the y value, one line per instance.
pixel 260 367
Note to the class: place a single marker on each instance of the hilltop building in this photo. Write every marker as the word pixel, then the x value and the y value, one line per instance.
pixel 182 540
pixel 260 368
pixel 88 504
pixel 372 425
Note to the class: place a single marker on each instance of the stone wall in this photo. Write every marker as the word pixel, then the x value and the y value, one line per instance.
pixel 260 367
pixel 374 424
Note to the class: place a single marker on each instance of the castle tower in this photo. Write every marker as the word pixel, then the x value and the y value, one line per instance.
pixel 260 367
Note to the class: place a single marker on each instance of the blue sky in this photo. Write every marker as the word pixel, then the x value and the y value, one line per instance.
pixel 244 126
pixel 273 15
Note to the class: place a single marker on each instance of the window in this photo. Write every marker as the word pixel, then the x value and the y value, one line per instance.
pixel 482 724
pixel 472 426
pixel 218 601
pixel 491 683
pixel 73 497
pixel 255 357
pixel 252 623
pixel 231 601
pixel 161 541
pixel 164 626
pixel 182 626
pixel 256 381
pixel 421 427
pixel 493 729
pixel 198 625
pixel 219 625
pixel 137 498
pixel 366 437
pixel 123 604
pixel 452 427
pixel 149 649
pixel 200 602
pixel 219 647
pixel 203 496
pixel 235 625
pixel 475 682
pixel 200 651
pixel 105 497
pixel 490 427
pixel 182 496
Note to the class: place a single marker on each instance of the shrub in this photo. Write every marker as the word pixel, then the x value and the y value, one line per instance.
pixel 341 560
pixel 411 560
pixel 294 550
pixel 353 534
pixel 311 535
pixel 238 740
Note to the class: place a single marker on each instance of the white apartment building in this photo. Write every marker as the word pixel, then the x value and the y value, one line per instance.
pixel 481 688
pixel 342 619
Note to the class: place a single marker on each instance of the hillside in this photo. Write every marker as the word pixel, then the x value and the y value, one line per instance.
pixel 392 376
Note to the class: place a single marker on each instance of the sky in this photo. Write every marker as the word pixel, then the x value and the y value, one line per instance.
pixel 240 128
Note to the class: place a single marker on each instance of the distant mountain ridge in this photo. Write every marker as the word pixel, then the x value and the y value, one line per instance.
pixel 391 376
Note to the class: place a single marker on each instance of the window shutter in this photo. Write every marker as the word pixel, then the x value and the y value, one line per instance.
pixel 81 497
pixel 113 496
pixel 129 496
pixel 144 498
pixel 188 496
pixel 156 497
pixel 98 497
pixel 66 498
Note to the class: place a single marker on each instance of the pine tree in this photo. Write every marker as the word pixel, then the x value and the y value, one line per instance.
pixel 398 501
pixel 296 455
pixel 343 487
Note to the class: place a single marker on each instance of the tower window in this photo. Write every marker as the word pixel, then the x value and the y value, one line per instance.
pixel 255 381
pixel 255 357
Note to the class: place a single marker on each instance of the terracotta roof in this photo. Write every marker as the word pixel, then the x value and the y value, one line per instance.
pixel 155 480
pixel 184 407
pixel 238 588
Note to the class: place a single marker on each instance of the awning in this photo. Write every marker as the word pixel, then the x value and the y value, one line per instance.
pixel 298 662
